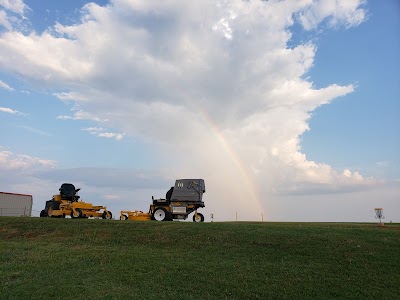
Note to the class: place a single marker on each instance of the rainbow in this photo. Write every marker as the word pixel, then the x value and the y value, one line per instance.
pixel 239 164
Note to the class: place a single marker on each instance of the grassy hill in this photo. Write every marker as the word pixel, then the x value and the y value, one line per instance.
pixel 42 258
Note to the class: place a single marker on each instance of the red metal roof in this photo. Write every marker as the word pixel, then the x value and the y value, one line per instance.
pixel 15 194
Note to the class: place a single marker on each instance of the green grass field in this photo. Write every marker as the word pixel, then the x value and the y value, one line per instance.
pixel 42 258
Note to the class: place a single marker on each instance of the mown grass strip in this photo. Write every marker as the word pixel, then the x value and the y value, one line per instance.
pixel 65 258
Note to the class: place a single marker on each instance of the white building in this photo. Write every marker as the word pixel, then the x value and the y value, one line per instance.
pixel 16 205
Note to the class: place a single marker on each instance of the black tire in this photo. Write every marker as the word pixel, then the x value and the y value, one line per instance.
pixel 161 214
pixel 200 218
pixel 107 215
pixel 123 217
pixel 43 214
pixel 78 213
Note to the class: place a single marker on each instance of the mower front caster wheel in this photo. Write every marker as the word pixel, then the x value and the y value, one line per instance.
pixel 107 215
pixel 77 213
pixel 200 218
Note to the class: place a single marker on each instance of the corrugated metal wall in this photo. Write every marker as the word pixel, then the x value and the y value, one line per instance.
pixel 15 204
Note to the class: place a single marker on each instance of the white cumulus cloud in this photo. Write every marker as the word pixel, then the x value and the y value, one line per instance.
pixel 16 6
pixel 117 136
pixel 4 20
pixel 102 132
pixel 5 86
pixel 13 161
pixel 337 12
pixel 10 111
pixel 213 82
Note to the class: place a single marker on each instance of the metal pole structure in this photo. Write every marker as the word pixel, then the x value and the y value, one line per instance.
pixel 262 217
pixel 379 215
pixel 236 216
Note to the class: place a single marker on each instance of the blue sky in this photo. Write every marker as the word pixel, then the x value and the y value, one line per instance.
pixel 367 56
pixel 283 107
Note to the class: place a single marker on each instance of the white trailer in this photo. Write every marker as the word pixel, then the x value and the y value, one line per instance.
pixel 15 205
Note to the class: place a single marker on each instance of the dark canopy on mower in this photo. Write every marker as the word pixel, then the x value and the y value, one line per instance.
pixel 188 190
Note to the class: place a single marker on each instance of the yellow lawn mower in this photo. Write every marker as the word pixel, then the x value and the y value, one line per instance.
pixel 67 203
pixel 180 201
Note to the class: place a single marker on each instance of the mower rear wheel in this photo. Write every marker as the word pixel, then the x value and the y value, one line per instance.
pixel 43 214
pixel 123 217
pixel 200 218
pixel 107 215
pixel 77 213
pixel 161 214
